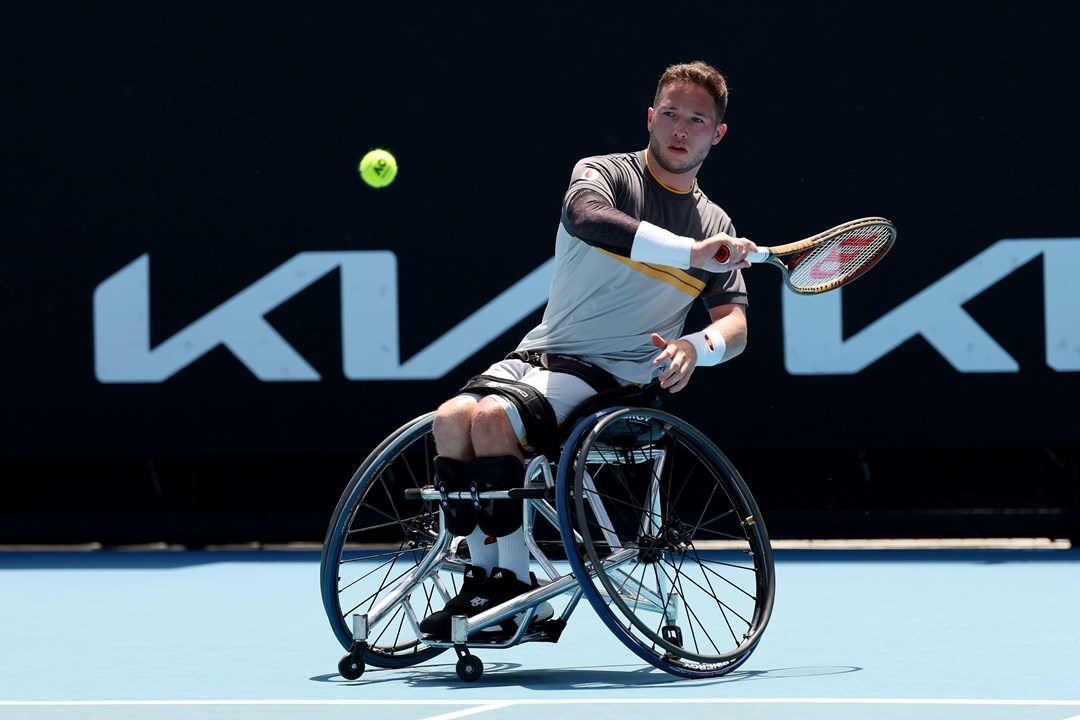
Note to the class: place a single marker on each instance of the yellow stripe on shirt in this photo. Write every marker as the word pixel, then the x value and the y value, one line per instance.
pixel 675 277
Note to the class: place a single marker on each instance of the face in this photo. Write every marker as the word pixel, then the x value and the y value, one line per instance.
pixel 683 128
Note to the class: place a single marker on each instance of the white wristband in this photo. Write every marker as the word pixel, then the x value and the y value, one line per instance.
pixel 710 347
pixel 654 244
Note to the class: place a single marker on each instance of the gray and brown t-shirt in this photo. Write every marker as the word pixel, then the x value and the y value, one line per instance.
pixel 603 306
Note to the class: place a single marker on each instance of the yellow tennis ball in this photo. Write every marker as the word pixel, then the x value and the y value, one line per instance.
pixel 378 168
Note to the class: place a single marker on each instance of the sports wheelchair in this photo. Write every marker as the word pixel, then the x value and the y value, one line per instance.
pixel 638 512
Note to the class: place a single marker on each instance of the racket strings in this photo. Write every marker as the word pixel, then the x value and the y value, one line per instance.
pixel 840 259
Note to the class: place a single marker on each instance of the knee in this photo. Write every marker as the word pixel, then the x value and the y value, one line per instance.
pixel 491 431
pixel 452 426
pixel 456 411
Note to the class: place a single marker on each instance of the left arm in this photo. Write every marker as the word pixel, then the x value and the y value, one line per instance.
pixel 723 339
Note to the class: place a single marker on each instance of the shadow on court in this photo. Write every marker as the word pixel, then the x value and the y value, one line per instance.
pixel 612 677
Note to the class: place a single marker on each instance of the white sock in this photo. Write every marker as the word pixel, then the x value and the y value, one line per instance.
pixel 482 554
pixel 514 555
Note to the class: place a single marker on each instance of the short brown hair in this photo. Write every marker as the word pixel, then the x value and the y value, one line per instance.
pixel 701 74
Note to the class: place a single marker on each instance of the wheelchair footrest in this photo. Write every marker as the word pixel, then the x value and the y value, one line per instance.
pixel 539 631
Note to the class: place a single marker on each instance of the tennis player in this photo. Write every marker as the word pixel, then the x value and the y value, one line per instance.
pixel 637 244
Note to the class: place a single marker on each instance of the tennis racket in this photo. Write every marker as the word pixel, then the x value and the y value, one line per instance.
pixel 829 259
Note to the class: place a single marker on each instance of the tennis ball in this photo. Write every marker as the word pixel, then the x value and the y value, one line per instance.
pixel 378 168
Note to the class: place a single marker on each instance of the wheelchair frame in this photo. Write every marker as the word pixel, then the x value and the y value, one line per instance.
pixel 619 511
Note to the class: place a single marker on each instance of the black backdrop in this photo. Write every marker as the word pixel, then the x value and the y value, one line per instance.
pixel 219 141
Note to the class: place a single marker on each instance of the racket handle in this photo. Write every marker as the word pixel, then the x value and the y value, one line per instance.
pixel 755 257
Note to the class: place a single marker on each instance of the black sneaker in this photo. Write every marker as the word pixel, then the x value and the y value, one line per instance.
pixel 480 593
pixel 504 586
pixel 473 599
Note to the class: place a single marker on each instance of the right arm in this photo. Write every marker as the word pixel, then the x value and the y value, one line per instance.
pixel 595 220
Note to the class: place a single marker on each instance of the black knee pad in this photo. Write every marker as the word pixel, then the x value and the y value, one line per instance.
pixel 459 515
pixel 497 517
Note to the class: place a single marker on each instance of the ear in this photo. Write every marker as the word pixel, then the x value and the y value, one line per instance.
pixel 721 130
pixel 648 120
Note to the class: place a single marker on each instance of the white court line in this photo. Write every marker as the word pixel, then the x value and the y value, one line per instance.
pixel 470 711
pixel 483 705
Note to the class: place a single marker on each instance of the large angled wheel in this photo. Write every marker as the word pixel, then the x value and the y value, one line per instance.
pixel 667 540
pixel 376 547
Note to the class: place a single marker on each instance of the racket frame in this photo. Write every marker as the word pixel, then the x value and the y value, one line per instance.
pixel 796 252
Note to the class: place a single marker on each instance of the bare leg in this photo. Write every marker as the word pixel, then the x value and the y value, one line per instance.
pixel 452 428
pixel 494 436
pixel 466 429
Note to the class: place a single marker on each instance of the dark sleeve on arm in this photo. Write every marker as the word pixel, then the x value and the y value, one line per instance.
pixel 590 217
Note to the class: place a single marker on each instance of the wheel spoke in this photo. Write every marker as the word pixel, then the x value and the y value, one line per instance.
pixel 378 539
pixel 684 610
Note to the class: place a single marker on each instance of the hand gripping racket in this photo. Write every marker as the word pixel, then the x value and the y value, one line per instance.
pixel 829 259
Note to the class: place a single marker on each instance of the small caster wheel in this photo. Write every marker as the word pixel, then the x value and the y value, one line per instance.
pixel 351 666
pixel 469 668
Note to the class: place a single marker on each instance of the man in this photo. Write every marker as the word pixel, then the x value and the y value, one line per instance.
pixel 638 241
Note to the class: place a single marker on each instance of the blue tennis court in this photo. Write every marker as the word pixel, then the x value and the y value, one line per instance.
pixel 891 632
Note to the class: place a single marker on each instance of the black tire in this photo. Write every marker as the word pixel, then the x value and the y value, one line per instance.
pixel 351 667
pixel 669 544
pixel 376 537
pixel 469 668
